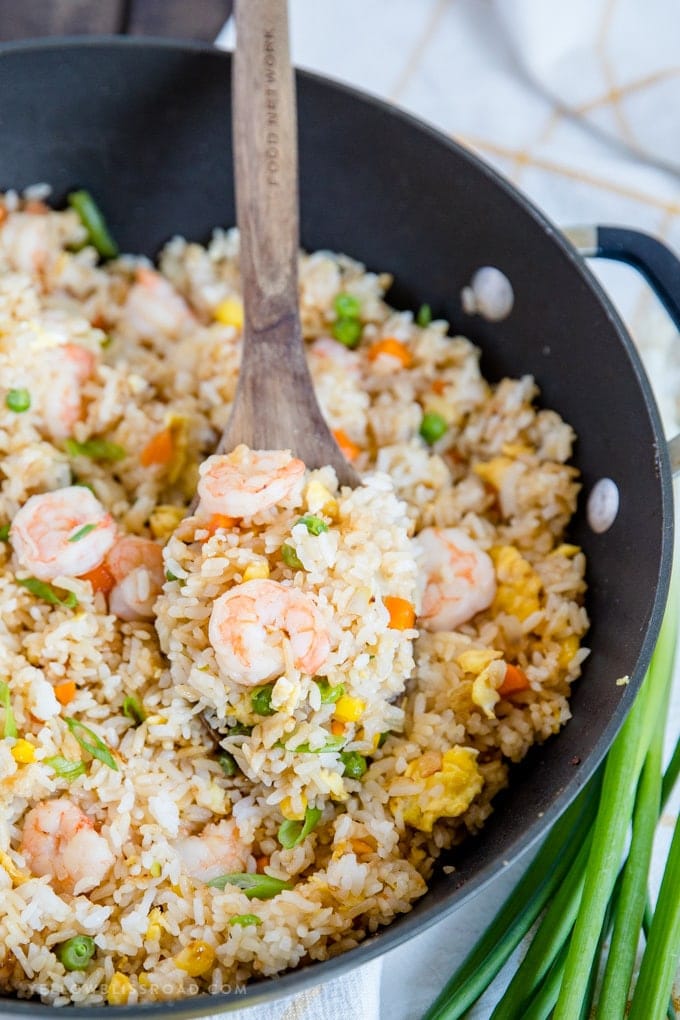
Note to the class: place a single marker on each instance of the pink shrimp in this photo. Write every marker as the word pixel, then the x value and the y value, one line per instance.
pixel 62 533
pixel 154 307
pixel 245 482
pixel 460 579
pixel 251 623
pixel 65 369
pixel 136 565
pixel 59 840
pixel 217 850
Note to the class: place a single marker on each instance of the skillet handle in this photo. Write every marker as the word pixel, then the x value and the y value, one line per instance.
pixel 652 259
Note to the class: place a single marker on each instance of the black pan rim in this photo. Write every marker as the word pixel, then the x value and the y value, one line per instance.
pixel 291 982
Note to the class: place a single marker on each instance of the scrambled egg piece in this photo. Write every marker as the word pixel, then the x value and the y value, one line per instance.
pixel 492 471
pixel 164 518
pixel 488 673
pixel 452 789
pixel 519 586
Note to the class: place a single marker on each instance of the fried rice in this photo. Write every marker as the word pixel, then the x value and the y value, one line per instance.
pixel 241 825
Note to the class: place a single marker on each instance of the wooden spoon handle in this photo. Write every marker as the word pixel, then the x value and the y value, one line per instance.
pixel 265 149
pixel 275 405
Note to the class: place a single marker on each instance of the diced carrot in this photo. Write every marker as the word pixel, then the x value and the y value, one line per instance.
pixel 438 387
pixel 337 727
pixel 65 692
pixel 99 321
pixel 262 862
pixel 402 613
pixel 145 276
pixel 158 450
pixel 395 348
pixel 515 680
pixel 349 449
pixel 218 521
pixel 34 205
pixel 3 213
pixel 100 578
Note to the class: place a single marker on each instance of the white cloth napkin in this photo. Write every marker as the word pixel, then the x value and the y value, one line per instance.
pixel 579 105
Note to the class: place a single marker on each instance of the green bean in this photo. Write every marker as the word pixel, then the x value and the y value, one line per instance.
pixel 94 223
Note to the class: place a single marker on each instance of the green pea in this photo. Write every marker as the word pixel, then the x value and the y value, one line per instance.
pixel 76 953
pixel 290 557
pixel 261 700
pixel 244 920
pixel 18 401
pixel 355 764
pixel 346 306
pixel 347 332
pixel 432 427
pixel 239 730
pixel 4 532
pixel 228 764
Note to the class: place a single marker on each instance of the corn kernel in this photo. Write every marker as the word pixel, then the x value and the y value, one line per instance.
pixel 23 752
pixel 164 518
pixel 570 646
pixel 6 862
pixel 197 958
pixel 230 313
pixel 153 932
pixel 144 980
pixel 256 570
pixel 155 869
pixel 474 660
pixel 349 709
pixel 292 813
pixel 119 989
pixel 316 495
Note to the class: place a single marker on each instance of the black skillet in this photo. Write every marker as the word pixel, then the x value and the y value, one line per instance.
pixel 146 127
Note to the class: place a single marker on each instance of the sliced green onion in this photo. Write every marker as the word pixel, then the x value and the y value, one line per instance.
pixel 424 316
pixel 520 910
pixel 347 332
pixel 291 832
pixel 256 887
pixel 91 743
pixel 261 700
pixel 355 764
pixel 47 593
pixel 133 709
pixel 10 729
pixel 4 532
pixel 346 306
pixel 75 953
pixel 332 744
pixel 244 920
pixel 383 737
pixel 290 557
pixel 66 768
pixel 330 693
pixel 432 427
pixel 18 400
pixel 93 221
pixel 169 576
pixel 313 524
pixel 82 532
pixel 95 449
pixel 228 764
pixel 240 730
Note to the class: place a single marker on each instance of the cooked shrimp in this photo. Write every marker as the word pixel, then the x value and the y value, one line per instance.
pixel 245 482
pixel 60 841
pixel 62 533
pixel 459 578
pixel 250 624
pixel 218 850
pixel 28 242
pixel 65 369
pixel 154 307
pixel 137 568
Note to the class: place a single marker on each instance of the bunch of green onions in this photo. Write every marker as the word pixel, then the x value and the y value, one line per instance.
pixel 589 883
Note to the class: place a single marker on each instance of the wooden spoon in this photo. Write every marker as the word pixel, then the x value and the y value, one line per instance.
pixel 275 407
